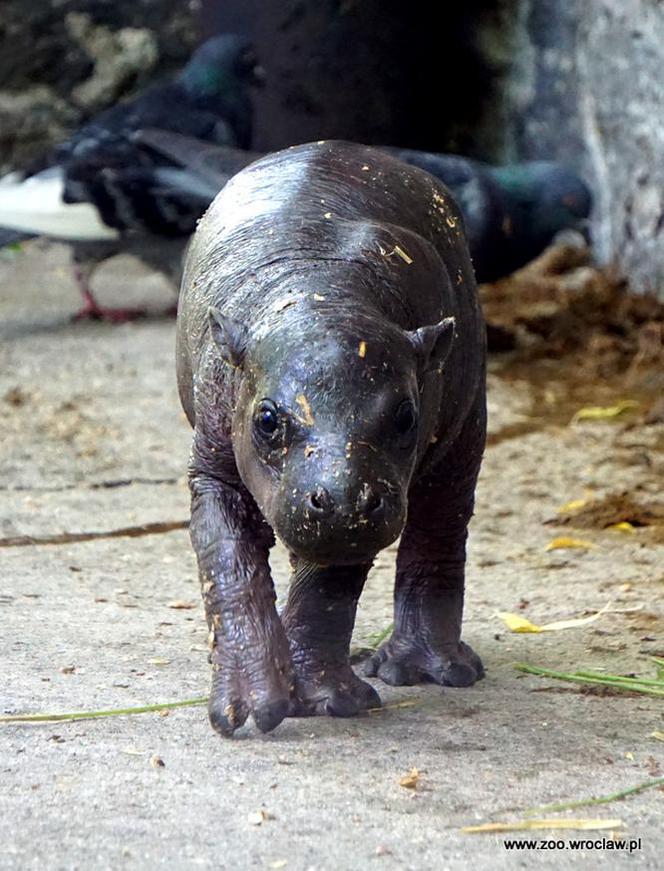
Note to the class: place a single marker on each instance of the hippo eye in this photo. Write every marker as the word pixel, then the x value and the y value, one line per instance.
pixel 405 417
pixel 267 418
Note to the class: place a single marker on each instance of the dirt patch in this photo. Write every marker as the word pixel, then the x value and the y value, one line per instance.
pixel 576 339
pixel 561 305
pixel 612 510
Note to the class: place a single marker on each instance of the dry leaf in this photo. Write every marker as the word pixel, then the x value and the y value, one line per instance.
pixel 303 402
pixel 181 605
pixel 604 412
pixel 528 825
pixel 401 253
pixel 257 818
pixel 158 660
pixel 623 526
pixel 410 780
pixel 516 623
pixel 284 303
pixel 565 543
pixel 658 735
pixel 572 505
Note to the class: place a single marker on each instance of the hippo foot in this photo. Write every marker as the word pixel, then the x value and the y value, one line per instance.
pixel 405 662
pixel 232 700
pixel 332 691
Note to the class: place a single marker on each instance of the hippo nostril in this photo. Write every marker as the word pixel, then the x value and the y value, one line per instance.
pixel 370 502
pixel 319 501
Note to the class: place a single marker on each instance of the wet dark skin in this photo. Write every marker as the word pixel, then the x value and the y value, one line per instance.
pixel 331 360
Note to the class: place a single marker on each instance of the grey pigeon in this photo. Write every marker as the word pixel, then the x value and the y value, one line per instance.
pixel 513 212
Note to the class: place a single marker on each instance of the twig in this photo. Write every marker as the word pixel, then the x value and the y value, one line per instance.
pixel 74 537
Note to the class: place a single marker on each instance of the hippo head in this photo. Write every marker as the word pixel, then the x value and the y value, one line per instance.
pixel 327 427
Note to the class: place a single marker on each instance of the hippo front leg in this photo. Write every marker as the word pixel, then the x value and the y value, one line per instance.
pixel 319 619
pixel 425 644
pixel 249 650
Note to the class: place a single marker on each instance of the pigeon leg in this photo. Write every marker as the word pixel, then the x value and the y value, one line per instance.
pixel 91 309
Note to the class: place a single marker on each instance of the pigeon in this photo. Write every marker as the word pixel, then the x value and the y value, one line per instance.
pixel 104 192
pixel 513 212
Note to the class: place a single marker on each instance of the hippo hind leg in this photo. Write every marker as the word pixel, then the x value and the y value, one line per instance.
pixel 318 620
pixel 425 644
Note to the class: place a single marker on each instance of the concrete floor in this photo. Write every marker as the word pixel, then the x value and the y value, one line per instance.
pixel 93 440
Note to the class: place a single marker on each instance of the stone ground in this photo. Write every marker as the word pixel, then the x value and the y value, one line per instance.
pixel 93 440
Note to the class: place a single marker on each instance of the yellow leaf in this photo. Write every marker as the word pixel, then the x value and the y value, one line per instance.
pixel 565 543
pixel 410 780
pixel 623 526
pixel 572 505
pixel 658 735
pixel 528 825
pixel 603 412
pixel 515 623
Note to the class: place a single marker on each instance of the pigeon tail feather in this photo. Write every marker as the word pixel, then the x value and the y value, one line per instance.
pixel 36 206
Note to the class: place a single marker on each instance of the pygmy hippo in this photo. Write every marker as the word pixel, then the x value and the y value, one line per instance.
pixel 331 360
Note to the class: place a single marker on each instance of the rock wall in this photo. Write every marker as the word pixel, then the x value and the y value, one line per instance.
pixel 63 60
pixel 586 85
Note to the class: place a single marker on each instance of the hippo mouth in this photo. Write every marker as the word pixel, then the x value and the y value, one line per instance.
pixel 339 538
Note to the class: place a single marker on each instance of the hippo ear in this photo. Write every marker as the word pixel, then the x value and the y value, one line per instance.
pixel 230 337
pixel 432 344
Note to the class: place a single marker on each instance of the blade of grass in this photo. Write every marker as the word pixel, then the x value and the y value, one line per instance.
pixel 633 685
pixel 604 799
pixel 374 641
pixel 622 678
pixel 93 715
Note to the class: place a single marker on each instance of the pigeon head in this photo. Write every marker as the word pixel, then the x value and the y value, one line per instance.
pixel 545 198
pixel 220 64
